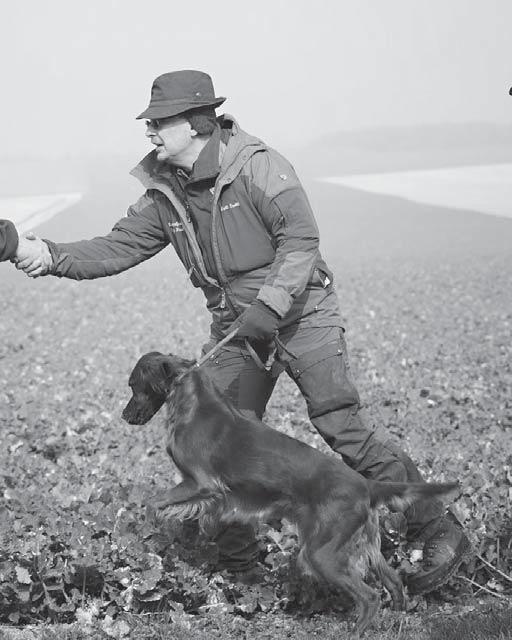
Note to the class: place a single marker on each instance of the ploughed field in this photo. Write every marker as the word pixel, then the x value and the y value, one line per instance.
pixel 429 340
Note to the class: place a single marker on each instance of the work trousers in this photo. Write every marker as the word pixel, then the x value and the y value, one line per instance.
pixel 316 359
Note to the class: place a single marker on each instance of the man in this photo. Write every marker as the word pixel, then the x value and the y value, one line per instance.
pixel 240 221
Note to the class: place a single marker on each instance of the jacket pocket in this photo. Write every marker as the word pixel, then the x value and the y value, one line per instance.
pixel 323 375
pixel 244 242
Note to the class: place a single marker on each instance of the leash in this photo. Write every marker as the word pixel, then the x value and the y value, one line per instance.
pixel 264 366
pixel 216 347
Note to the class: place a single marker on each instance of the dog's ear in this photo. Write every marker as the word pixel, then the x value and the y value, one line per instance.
pixel 169 367
pixel 161 373
pixel 156 373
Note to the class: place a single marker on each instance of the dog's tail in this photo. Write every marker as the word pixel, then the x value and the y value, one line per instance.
pixel 400 495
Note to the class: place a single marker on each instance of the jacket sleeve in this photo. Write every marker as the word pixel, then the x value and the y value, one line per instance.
pixel 287 215
pixel 135 238
pixel 8 240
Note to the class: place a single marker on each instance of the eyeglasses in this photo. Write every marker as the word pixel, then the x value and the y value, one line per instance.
pixel 158 123
pixel 155 123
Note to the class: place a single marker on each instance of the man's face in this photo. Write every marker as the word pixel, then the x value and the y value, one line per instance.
pixel 171 136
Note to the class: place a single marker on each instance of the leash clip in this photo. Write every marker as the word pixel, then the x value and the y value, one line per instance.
pixel 263 366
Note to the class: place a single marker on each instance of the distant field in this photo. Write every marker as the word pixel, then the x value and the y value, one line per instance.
pixel 28 212
pixel 486 189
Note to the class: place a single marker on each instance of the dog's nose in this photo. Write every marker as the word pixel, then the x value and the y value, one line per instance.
pixel 128 416
pixel 134 416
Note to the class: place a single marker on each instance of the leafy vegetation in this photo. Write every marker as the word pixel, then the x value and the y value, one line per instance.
pixel 430 349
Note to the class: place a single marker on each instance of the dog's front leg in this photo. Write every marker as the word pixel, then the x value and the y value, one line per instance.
pixel 186 491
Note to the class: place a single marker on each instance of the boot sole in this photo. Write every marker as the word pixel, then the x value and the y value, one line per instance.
pixel 462 553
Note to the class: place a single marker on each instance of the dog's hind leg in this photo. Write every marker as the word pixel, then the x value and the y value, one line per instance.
pixel 388 576
pixel 337 568
pixel 331 553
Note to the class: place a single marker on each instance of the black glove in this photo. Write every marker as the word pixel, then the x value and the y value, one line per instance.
pixel 258 322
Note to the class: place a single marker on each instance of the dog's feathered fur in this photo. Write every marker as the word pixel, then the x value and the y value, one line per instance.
pixel 238 469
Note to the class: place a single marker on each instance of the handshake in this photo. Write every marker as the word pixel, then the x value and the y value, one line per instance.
pixel 32 256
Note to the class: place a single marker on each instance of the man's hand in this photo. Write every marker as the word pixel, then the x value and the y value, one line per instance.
pixel 258 322
pixel 33 256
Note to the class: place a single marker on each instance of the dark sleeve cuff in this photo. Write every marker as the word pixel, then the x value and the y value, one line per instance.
pixel 8 240
pixel 53 252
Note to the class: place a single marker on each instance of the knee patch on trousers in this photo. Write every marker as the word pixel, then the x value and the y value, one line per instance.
pixel 324 379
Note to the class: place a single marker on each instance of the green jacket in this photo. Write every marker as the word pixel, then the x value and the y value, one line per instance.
pixel 263 233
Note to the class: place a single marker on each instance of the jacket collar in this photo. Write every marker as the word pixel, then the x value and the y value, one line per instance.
pixel 207 164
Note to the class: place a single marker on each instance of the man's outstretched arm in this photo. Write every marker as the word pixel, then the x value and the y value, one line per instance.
pixel 133 239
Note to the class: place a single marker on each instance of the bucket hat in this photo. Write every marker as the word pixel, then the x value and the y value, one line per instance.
pixel 178 91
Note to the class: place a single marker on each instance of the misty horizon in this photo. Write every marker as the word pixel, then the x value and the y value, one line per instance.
pixel 80 73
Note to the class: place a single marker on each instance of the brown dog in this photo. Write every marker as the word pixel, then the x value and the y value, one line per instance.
pixel 238 469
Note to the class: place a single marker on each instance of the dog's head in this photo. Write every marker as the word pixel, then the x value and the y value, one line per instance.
pixel 151 381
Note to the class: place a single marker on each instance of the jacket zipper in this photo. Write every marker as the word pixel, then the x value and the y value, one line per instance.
pixel 187 211
pixel 193 269
pixel 225 300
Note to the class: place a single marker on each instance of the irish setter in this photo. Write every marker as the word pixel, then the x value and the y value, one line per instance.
pixel 238 469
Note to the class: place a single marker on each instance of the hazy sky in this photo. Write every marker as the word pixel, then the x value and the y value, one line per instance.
pixel 76 73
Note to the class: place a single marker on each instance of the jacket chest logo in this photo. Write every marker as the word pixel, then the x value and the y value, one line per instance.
pixel 176 227
pixel 231 205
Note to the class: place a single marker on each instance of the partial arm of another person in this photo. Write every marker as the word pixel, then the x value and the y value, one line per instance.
pixel 15 248
pixel 8 240
pixel 134 238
